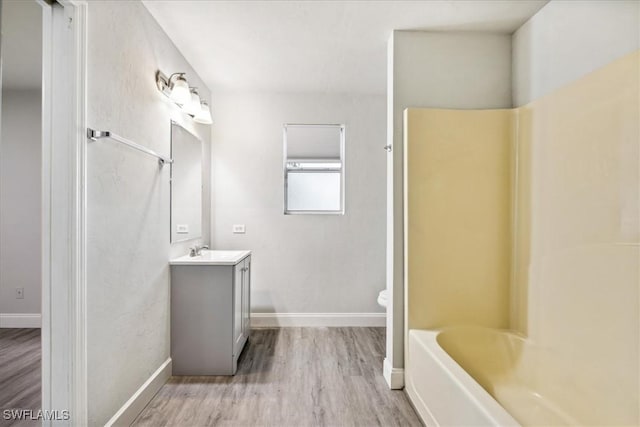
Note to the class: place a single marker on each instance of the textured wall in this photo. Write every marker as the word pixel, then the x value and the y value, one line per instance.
pixel 301 263
pixel 566 40
pixel 128 201
pixel 20 201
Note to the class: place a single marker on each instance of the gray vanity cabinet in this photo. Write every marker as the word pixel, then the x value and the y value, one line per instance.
pixel 241 303
pixel 210 319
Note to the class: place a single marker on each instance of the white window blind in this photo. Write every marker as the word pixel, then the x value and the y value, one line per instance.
pixel 314 169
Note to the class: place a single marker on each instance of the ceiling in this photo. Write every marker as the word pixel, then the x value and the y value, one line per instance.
pixel 21 44
pixel 315 46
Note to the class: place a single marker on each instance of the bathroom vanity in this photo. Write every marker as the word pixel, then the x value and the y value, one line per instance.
pixel 210 304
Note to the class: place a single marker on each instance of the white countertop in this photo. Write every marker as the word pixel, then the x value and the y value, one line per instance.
pixel 212 258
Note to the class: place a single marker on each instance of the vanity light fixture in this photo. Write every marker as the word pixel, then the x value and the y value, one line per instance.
pixel 176 88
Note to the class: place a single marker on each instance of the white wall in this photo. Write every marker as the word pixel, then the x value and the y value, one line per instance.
pixel 433 70
pixel 128 201
pixel 20 164
pixel 301 263
pixel 20 200
pixel 566 40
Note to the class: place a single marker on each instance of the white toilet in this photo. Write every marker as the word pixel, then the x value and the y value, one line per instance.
pixel 383 298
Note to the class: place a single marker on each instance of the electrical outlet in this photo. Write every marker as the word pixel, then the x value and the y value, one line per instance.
pixel 238 229
pixel 19 293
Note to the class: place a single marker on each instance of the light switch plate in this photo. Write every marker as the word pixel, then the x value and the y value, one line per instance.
pixel 238 229
pixel 182 229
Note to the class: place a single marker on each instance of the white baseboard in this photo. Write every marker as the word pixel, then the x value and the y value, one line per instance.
pixel 393 376
pixel 275 320
pixel 136 403
pixel 20 320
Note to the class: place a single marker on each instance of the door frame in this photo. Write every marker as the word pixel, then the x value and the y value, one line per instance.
pixel 64 343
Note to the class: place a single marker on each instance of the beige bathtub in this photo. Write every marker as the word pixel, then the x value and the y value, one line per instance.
pixel 468 376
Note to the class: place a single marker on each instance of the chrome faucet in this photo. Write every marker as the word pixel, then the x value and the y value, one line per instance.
pixel 197 250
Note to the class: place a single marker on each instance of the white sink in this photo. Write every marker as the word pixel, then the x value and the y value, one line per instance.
pixel 212 258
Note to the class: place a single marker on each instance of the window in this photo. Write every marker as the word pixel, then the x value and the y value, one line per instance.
pixel 313 169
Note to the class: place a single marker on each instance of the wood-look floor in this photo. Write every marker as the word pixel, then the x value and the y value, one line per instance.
pixel 290 377
pixel 20 377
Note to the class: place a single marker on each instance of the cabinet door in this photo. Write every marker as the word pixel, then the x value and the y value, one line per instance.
pixel 238 333
pixel 246 298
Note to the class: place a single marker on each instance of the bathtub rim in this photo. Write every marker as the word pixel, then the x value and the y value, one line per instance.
pixel 482 399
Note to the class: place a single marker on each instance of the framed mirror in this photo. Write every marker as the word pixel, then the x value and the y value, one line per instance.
pixel 186 185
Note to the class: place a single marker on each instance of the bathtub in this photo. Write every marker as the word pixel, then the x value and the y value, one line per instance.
pixel 473 376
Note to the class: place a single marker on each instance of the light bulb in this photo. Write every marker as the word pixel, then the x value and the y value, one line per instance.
pixel 193 106
pixel 180 93
pixel 204 116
